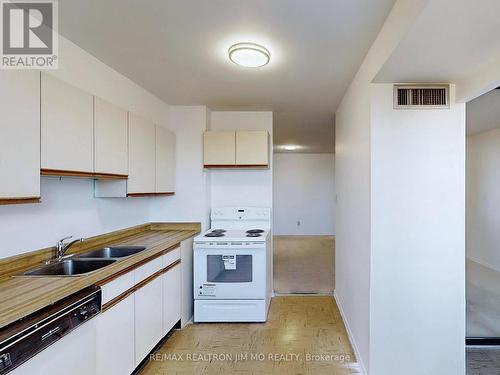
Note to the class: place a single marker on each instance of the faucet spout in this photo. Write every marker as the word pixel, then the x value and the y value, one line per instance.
pixel 62 247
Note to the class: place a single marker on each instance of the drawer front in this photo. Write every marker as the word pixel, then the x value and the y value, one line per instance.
pixel 116 287
pixel 146 270
pixel 171 257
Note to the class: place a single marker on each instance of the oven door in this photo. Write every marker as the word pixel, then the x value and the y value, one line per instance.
pixel 230 273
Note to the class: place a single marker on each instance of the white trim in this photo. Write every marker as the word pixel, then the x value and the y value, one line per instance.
pixel 475 260
pixel 362 367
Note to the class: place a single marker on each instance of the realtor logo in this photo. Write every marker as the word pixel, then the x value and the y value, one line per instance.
pixel 29 34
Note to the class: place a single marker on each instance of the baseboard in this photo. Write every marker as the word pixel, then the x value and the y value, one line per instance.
pixel 472 259
pixel 362 367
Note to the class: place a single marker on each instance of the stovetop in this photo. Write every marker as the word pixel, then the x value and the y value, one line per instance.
pixel 218 234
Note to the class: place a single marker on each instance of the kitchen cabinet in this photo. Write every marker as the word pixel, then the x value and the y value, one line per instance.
pixel 171 297
pixel 244 149
pixel 20 136
pixel 67 135
pixel 165 160
pixel 148 318
pixel 115 342
pixel 252 148
pixel 186 281
pixel 73 354
pixel 142 155
pixel 219 148
pixel 110 139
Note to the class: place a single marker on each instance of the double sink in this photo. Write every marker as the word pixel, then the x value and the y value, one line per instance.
pixel 87 262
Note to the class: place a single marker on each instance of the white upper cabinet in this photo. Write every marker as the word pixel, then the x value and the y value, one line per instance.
pixel 219 148
pixel 110 138
pixel 141 156
pixel 67 135
pixel 252 148
pixel 19 134
pixel 165 160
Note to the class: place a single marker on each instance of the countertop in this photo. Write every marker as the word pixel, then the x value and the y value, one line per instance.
pixel 21 296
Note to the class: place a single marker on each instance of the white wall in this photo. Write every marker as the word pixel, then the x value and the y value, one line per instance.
pixel 417 308
pixel 192 199
pixel 68 206
pixel 483 198
pixel 245 187
pixel 304 191
pixel 353 184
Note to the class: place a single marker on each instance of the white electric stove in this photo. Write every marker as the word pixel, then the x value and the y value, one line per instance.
pixel 232 266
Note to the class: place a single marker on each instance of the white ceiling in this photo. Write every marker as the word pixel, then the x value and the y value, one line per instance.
pixel 177 50
pixel 483 113
pixel 451 40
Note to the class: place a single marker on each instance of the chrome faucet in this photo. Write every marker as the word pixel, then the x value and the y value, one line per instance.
pixel 62 247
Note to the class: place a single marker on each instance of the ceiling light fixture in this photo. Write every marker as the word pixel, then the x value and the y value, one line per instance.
pixel 250 55
pixel 290 147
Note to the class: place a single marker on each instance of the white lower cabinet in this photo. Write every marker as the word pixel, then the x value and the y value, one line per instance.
pixel 115 345
pixel 148 318
pixel 73 354
pixel 116 341
pixel 171 298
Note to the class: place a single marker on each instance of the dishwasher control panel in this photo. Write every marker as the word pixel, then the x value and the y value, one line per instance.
pixel 25 338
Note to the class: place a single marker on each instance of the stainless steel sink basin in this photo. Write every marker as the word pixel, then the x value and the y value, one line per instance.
pixel 113 252
pixel 71 267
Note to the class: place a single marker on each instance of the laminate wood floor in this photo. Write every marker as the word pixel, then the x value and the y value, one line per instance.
pixel 303 335
pixel 304 264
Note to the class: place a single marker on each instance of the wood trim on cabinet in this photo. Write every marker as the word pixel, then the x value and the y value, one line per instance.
pixel 136 265
pixel 27 200
pixel 171 265
pixel 138 286
pixel 110 176
pixel 117 299
pixel 233 166
pixel 150 194
pixel 64 173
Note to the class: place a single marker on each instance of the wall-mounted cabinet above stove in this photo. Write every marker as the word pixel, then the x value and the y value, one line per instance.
pixel 236 149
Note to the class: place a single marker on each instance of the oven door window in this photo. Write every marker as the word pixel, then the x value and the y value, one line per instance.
pixel 229 268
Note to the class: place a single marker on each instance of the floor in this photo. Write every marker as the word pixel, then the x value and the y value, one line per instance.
pixel 303 335
pixel 304 264
pixel 483 360
pixel 483 318
pixel 483 301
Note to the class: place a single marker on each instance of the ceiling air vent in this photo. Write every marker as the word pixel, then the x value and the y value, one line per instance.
pixel 421 96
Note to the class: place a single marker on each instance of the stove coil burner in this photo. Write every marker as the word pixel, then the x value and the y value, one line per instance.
pixel 218 231
pixel 214 234
pixel 255 231
pixel 254 235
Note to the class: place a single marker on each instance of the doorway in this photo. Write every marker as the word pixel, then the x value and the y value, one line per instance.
pixel 483 236
pixel 304 223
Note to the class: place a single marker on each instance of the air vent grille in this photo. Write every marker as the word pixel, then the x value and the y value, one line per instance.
pixel 420 96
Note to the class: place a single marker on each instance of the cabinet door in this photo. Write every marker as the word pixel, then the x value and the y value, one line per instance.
pixel 73 354
pixel 187 281
pixel 165 160
pixel 110 138
pixel 141 154
pixel 20 134
pixel 219 148
pixel 66 127
pixel 115 339
pixel 252 148
pixel 148 318
pixel 171 298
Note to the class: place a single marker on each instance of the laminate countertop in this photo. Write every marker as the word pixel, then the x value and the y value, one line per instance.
pixel 21 296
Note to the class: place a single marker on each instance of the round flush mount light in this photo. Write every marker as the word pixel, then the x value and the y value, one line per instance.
pixel 249 55
pixel 290 147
